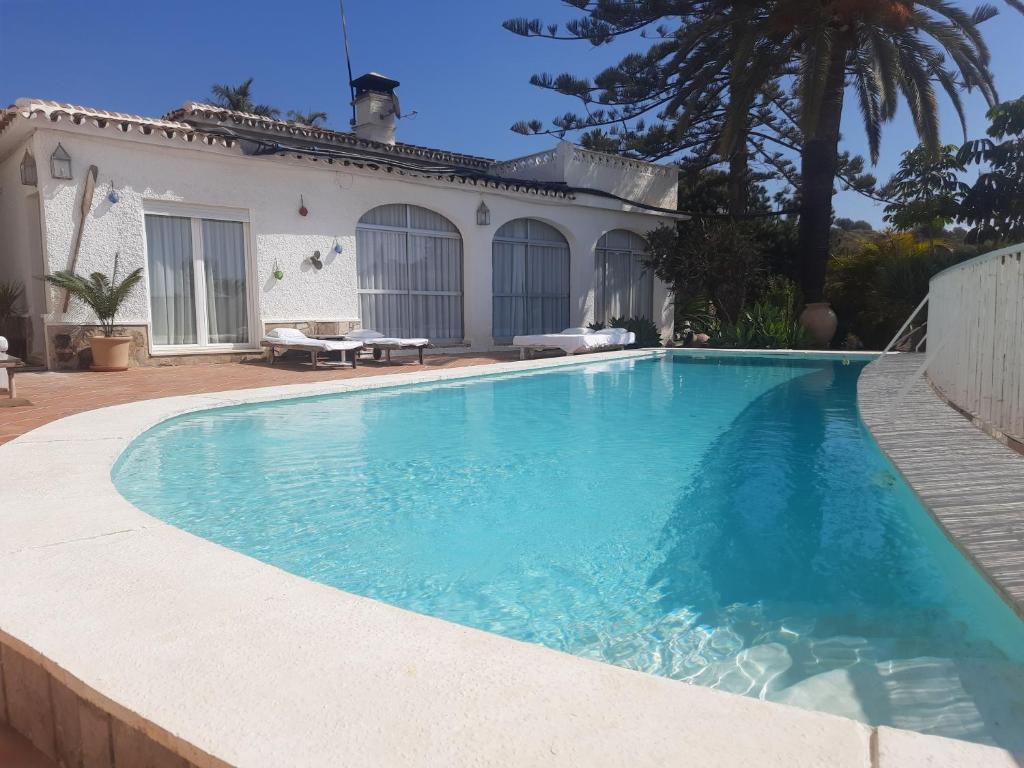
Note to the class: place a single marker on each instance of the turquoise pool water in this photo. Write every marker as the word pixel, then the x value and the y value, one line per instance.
pixel 722 521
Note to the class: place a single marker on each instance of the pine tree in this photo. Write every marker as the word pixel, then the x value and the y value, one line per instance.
pixel 741 78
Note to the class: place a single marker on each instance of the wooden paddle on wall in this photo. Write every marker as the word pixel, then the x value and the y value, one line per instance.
pixel 87 191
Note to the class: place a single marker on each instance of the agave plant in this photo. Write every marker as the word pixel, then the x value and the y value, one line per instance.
pixel 103 295
pixel 11 292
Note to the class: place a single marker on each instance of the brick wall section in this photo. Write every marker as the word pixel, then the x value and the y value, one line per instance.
pixel 66 728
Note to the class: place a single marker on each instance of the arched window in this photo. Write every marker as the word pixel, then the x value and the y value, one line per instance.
pixel 625 285
pixel 530 279
pixel 409 262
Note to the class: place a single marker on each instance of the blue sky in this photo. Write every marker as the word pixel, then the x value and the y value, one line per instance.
pixel 464 76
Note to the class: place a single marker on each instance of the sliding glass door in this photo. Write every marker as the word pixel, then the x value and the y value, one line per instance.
pixel 192 257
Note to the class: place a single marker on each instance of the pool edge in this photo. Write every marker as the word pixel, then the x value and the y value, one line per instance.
pixel 112 574
pixel 971 484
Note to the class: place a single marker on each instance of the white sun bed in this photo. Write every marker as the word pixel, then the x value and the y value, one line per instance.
pixel 377 341
pixel 281 340
pixel 572 341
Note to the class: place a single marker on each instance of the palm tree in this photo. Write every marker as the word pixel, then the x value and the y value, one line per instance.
pixel 238 98
pixel 103 295
pixel 887 53
pixel 737 54
pixel 311 119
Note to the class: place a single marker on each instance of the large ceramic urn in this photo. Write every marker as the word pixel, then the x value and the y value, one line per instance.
pixel 820 322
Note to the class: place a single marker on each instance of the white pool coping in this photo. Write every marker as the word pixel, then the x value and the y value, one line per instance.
pixel 227 660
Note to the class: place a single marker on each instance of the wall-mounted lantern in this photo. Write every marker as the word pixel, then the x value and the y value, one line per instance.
pixel 483 214
pixel 29 176
pixel 60 163
pixel 337 246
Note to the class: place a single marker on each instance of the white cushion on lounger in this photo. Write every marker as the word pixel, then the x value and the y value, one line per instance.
pixel 292 337
pixel 370 337
pixel 612 330
pixel 287 334
pixel 619 336
pixel 340 346
pixel 572 343
pixel 386 341
pixel 568 342
pixel 364 334
pixel 577 331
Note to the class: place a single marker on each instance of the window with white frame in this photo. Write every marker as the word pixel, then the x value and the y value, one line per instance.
pixel 625 285
pixel 409 263
pixel 198 281
pixel 530 279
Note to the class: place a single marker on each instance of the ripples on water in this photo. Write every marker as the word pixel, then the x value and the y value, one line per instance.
pixel 726 522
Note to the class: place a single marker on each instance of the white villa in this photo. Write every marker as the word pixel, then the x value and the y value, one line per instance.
pixel 243 223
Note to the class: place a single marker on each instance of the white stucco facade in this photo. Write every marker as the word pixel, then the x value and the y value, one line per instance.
pixel 160 171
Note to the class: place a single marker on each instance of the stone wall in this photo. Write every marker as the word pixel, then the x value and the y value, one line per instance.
pixel 68 346
pixel 70 730
pixel 316 327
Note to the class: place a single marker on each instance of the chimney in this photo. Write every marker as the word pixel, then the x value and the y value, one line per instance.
pixel 376 107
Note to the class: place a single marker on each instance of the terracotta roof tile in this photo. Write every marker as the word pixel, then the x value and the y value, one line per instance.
pixel 56 111
pixel 195 109
pixel 365 154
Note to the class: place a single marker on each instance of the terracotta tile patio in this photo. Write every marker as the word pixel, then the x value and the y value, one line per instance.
pixel 54 395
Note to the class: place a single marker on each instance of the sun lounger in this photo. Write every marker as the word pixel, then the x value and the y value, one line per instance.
pixel 281 340
pixel 572 341
pixel 378 342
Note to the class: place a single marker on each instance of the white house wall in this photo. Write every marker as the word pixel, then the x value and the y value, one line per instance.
pixel 151 170
pixel 628 178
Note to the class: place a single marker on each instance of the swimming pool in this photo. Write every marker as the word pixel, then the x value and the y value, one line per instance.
pixel 725 521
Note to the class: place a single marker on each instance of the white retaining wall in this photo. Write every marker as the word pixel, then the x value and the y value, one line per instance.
pixel 976 336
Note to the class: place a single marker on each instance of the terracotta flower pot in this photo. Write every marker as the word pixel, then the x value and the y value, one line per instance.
pixel 820 322
pixel 110 353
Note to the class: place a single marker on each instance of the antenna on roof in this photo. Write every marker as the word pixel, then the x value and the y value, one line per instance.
pixel 348 62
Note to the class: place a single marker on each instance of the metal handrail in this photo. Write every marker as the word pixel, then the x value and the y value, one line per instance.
pixel 899 334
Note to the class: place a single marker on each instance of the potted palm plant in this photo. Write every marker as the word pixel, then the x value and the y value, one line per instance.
pixel 11 325
pixel 104 296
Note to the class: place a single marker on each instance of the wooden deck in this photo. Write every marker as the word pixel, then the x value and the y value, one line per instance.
pixel 972 484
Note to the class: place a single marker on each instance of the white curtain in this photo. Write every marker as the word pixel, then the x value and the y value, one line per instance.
pixel 616 284
pixel 626 285
pixel 530 280
pixel 643 288
pixel 508 288
pixel 410 281
pixel 171 279
pixel 226 292
pixel 435 286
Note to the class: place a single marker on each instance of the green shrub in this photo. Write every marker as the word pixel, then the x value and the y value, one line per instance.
pixel 874 290
pixel 11 294
pixel 770 323
pixel 699 311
